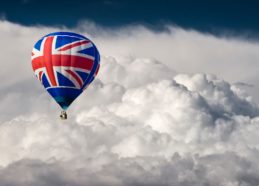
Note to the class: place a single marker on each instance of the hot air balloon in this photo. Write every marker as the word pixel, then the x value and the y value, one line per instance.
pixel 65 63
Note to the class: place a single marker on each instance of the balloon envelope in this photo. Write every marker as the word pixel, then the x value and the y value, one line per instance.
pixel 65 63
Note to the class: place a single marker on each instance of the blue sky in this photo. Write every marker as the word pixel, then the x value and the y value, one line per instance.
pixel 208 16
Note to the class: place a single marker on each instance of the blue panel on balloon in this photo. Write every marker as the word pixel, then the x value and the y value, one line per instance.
pixel 63 40
pixel 88 51
pixel 64 96
pixel 64 81
pixel 83 75
pixel 45 81
pixel 38 44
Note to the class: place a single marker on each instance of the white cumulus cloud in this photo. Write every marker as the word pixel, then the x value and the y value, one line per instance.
pixel 156 114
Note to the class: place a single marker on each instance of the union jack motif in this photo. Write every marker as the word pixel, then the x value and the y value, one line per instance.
pixel 64 61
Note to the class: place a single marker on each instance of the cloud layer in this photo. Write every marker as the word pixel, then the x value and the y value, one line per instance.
pixel 142 122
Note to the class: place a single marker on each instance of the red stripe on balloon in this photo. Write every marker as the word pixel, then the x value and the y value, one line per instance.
pixel 73 74
pixel 47 56
pixel 64 60
pixel 73 45
pixel 40 75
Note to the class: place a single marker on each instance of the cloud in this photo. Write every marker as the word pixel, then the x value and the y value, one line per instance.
pixel 154 116
pixel 231 58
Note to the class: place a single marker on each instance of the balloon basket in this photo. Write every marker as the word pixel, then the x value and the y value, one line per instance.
pixel 63 115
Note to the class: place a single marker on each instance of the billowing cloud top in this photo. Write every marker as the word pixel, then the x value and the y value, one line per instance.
pixel 156 114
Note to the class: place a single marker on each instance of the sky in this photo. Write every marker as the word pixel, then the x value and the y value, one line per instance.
pixel 203 15
pixel 175 101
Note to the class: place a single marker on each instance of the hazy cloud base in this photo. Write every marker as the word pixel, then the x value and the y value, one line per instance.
pixel 143 121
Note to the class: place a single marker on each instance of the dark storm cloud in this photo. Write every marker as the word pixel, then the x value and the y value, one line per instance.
pixel 233 16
